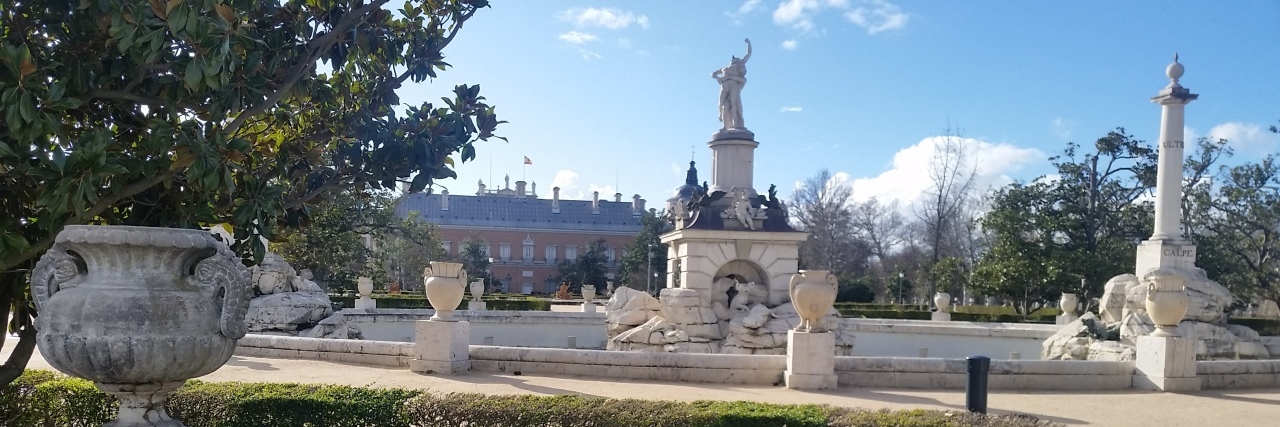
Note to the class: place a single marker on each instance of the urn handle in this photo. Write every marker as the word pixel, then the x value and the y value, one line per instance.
pixel 225 279
pixel 52 273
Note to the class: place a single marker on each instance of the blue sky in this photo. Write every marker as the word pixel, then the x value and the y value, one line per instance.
pixel 617 95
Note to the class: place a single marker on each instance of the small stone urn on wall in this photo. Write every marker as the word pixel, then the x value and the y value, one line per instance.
pixel 588 293
pixel 444 283
pixel 477 289
pixel 813 292
pixel 1068 303
pixel 138 311
pixel 365 286
pixel 942 300
pixel 1167 301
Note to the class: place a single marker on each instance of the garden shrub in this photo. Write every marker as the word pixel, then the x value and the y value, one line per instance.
pixel 43 398
pixel 1264 327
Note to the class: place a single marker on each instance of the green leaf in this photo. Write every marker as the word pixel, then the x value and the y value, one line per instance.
pixel 27 107
pixel 195 75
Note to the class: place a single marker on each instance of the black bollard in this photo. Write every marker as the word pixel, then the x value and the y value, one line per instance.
pixel 975 391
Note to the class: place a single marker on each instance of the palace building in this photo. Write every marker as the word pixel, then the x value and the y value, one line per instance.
pixel 528 237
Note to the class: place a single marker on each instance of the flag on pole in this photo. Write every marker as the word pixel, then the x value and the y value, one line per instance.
pixel 527 161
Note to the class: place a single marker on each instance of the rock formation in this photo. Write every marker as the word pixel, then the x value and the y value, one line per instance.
pixel 681 322
pixel 1124 318
pixel 287 302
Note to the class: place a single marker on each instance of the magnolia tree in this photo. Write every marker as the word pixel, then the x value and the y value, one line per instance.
pixel 184 113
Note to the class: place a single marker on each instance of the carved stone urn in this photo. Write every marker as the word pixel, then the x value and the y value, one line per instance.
pixel 365 286
pixel 813 292
pixel 138 311
pixel 608 288
pixel 1068 303
pixel 1167 301
pixel 477 289
pixel 942 300
pixel 444 283
pixel 588 293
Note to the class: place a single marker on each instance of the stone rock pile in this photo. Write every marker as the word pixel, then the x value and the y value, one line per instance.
pixel 1113 335
pixel 288 303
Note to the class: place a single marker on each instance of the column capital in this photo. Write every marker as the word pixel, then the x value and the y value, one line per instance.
pixel 1174 95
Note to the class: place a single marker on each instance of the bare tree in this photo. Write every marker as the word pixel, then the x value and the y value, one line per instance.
pixel 881 225
pixel 824 208
pixel 952 175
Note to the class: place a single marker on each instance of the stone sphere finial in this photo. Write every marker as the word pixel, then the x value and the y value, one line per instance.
pixel 1175 70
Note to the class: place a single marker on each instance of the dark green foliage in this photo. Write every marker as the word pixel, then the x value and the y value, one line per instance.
pixel 853 290
pixel 1264 327
pixel 42 398
pixel 646 255
pixel 587 269
pixel 475 259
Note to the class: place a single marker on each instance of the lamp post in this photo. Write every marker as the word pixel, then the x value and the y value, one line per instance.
pixel 648 266
pixel 900 276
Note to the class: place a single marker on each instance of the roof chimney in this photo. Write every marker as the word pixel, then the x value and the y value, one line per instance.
pixel 637 205
pixel 444 200
pixel 595 203
pixel 404 187
pixel 480 184
pixel 617 197
pixel 520 189
pixel 555 200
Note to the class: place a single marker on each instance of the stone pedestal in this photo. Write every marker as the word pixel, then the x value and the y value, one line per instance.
pixel 588 307
pixel 366 303
pixel 811 360
pixel 441 347
pixel 474 305
pixel 940 316
pixel 1065 319
pixel 1166 364
pixel 1170 254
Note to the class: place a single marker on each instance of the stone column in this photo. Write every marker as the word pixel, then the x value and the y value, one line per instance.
pixel 1173 100
pixel 733 161
pixel 811 360
pixel 440 347
pixel 1166 248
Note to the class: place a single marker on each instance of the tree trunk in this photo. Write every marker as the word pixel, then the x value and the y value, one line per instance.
pixel 17 363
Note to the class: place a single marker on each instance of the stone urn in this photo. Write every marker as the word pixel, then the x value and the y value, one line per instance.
pixel 942 300
pixel 813 292
pixel 1068 303
pixel 138 311
pixel 444 282
pixel 608 288
pixel 1167 301
pixel 477 289
pixel 588 293
pixel 365 286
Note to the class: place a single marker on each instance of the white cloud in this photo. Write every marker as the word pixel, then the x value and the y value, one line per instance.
pixel 1248 138
pixel 577 37
pixel 572 189
pixel 875 16
pixel 792 109
pixel 878 16
pixel 789 45
pixel 612 19
pixel 908 176
pixel 589 55
pixel 1062 128
pixel 624 43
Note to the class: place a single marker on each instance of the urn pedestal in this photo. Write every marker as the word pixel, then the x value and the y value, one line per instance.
pixel 1068 305
pixel 942 301
pixel 366 301
pixel 477 291
pixel 138 311
pixel 811 360
pixel 588 298
pixel 444 282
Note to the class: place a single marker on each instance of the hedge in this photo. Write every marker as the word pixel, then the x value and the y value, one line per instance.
pixel 43 398
pixel 1264 327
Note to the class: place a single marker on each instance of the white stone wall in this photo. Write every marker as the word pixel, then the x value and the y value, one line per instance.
pixel 904 338
pixel 900 372
pixel 1238 374
pixel 507 328
pixel 652 366
pixel 364 352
